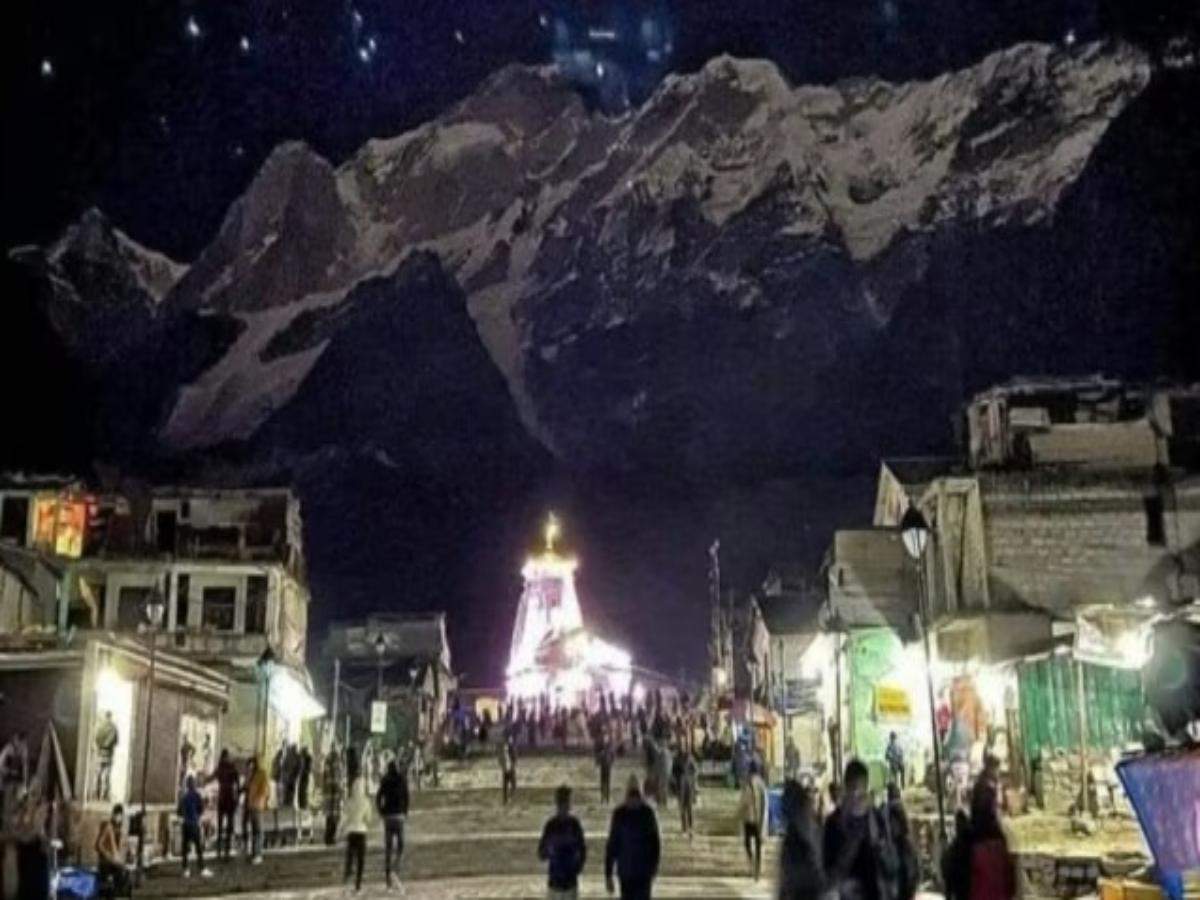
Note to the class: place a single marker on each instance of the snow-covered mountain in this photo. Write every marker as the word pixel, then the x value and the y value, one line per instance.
pixel 688 283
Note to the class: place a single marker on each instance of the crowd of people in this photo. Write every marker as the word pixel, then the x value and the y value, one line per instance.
pixel 858 850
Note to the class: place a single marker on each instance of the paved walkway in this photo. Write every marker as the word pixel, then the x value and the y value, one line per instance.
pixel 522 887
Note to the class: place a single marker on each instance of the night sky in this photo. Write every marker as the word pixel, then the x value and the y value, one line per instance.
pixel 160 113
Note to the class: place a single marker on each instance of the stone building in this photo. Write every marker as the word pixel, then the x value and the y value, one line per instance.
pixel 1072 518
pixel 400 659
pixel 227 565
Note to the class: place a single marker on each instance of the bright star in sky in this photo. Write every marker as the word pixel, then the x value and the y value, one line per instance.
pixel 458 36
pixel 364 54
pixel 47 68
pixel 1069 39
pixel 192 27
pixel 244 44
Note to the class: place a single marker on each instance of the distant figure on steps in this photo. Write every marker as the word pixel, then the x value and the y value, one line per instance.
pixel 633 848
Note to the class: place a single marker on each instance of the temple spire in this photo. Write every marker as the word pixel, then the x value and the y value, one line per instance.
pixel 552 532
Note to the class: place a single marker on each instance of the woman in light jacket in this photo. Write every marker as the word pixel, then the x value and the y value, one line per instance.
pixel 356 817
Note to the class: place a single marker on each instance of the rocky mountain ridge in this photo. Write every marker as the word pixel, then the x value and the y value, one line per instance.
pixel 801 213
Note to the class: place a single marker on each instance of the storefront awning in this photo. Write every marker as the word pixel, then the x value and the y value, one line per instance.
pixel 292 698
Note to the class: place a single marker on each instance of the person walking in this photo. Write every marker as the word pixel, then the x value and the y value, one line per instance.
pixel 633 849
pixel 190 809
pixel 894 756
pixel 604 759
pixel 688 780
pixel 508 770
pixel 908 875
pixel 304 779
pixel 357 814
pixel 564 849
pixel 258 798
pixel 229 783
pixel 391 802
pixel 791 760
pixel 752 809
pixel 858 857
pixel 801 873
pixel 992 869
pixel 331 794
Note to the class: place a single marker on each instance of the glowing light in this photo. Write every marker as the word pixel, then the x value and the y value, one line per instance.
pixel 543 20
pixel 599 70
pixel 1146 602
pixel 364 54
pixel 371 45
pixel 1134 647
pixel 458 36
pixel 110 687
pixel 292 698
pixel 1069 38
pixel 47 68
pixel 552 653
pixel 192 27
pixel 639 694
pixel 552 532
pixel 244 44
pixel 356 18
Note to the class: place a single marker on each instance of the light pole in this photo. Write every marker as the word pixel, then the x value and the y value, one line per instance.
pixel 155 608
pixel 914 531
pixel 380 649
pixel 266 667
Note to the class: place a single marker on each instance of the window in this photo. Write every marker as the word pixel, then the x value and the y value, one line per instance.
pixel 220 608
pixel 1156 533
pixel 86 609
pixel 165 531
pixel 256 604
pixel 183 590
pixel 14 520
pixel 131 606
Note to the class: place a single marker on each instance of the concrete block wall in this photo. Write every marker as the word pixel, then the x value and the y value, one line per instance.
pixel 1069 541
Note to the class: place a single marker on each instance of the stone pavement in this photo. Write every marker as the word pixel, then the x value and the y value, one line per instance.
pixel 529 887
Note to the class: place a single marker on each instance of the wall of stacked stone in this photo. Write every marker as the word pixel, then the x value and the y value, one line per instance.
pixel 1059 539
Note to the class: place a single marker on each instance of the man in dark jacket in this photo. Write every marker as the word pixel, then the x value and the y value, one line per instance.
pixel 229 786
pixel 391 800
pixel 633 846
pixel 564 848
pixel 859 857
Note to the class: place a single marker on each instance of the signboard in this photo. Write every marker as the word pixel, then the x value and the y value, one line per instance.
pixel 802 695
pixel 379 710
pixel 892 703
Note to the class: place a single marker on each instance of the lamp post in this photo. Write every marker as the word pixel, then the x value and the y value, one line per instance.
pixel 265 667
pixel 155 608
pixel 914 531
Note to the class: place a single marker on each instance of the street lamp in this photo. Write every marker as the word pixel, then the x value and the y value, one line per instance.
pixel 265 666
pixel 914 531
pixel 380 649
pixel 155 608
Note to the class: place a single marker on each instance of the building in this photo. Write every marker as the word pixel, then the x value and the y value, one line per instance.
pixel 800 681
pixel 398 659
pixel 1069 525
pixel 554 658
pixel 227 565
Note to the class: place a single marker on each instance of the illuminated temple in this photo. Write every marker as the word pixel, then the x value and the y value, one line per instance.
pixel 553 655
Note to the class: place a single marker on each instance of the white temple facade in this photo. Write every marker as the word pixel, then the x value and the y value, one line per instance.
pixel 553 655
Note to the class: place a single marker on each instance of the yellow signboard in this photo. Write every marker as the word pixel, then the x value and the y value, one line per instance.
pixel 892 702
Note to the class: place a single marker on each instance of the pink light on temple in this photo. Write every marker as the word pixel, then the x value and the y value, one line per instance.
pixel 553 655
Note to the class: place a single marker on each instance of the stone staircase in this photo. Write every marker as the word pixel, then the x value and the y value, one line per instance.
pixel 462 829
